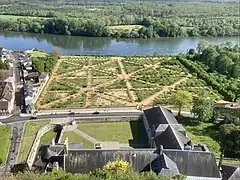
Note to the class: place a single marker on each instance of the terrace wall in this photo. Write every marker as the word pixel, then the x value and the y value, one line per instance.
pixel 34 149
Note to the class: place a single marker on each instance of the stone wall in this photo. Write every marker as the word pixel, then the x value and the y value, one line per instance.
pixel 40 89
pixel 34 149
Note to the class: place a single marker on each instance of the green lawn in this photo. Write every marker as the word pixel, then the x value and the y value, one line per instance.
pixel 205 133
pixel 112 131
pixel 75 138
pixel 38 54
pixel 12 17
pixel 5 137
pixel 30 131
pixel 48 137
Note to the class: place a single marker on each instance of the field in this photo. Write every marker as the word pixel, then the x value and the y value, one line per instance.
pixel 5 137
pixel 12 17
pixel 125 27
pixel 30 131
pixel 103 81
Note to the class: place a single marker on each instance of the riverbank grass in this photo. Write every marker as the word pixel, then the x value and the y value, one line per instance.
pixel 5 139
pixel 30 131
pixel 37 54
pixel 125 27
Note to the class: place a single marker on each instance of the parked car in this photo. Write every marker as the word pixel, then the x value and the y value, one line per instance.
pixel 33 117
pixel 96 112
pixel 71 113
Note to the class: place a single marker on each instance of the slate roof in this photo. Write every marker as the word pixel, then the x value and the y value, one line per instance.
pixel 171 139
pixel 6 90
pixel 189 163
pixel 43 75
pixel 3 105
pixel 164 165
pixel 230 172
pixel 165 129
pixel 159 115
pixel 33 75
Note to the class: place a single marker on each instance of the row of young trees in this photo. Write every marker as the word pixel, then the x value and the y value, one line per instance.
pixel 228 88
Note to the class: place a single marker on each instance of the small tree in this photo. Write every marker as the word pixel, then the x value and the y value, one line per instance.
pixel 4 74
pixel 202 108
pixel 57 52
pixel 203 44
pixel 180 99
pixel 229 135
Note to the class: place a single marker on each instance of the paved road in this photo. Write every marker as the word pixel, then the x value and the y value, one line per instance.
pixel 17 118
pixel 17 132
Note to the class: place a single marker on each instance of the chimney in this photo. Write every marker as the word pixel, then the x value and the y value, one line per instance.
pixel 161 150
pixel 53 142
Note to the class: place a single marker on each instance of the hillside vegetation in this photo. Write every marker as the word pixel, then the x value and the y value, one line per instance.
pixel 148 19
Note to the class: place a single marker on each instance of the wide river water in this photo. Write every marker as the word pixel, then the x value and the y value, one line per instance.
pixel 104 46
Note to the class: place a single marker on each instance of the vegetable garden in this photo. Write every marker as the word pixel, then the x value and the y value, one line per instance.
pixel 104 81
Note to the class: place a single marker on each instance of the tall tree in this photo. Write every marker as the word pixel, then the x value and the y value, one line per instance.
pixel 180 99
pixel 202 108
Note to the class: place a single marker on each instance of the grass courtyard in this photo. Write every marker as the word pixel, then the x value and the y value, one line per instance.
pixel 5 137
pixel 104 81
pixel 112 131
pixel 75 138
pixel 30 131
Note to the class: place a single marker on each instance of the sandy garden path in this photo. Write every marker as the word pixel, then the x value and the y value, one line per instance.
pixel 150 99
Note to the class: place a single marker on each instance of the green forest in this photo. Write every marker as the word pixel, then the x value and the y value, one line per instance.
pixel 126 19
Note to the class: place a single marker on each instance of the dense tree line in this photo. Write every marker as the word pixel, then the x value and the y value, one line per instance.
pixel 223 59
pixel 228 88
pixel 151 28
pixel 93 19
pixel 44 64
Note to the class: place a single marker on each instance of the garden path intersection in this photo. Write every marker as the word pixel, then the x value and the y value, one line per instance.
pixel 104 81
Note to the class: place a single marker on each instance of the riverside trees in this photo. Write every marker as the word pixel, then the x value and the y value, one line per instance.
pixel 155 19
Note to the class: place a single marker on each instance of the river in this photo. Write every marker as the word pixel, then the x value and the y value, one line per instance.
pixel 104 46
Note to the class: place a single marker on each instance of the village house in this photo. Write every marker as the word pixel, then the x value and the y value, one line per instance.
pixel 6 97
